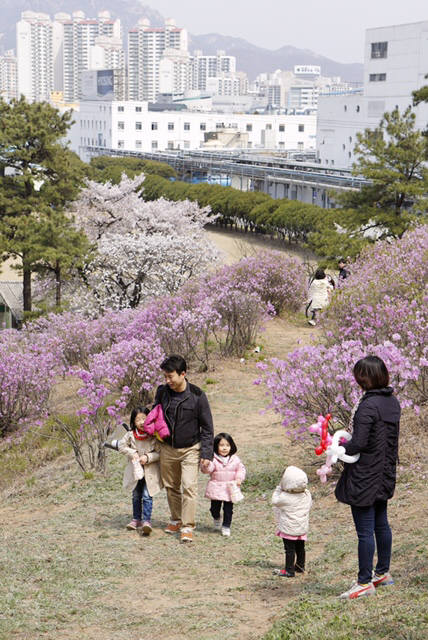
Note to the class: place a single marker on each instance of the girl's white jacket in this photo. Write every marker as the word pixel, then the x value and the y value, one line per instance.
pixel 319 293
pixel 291 502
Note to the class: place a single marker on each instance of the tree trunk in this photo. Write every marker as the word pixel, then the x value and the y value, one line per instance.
pixel 57 284
pixel 27 287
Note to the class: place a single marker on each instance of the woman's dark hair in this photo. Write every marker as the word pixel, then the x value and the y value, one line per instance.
pixel 371 373
pixel 174 363
pixel 134 413
pixel 225 436
pixel 319 274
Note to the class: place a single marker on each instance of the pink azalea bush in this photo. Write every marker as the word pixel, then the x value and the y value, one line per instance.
pixel 380 309
pixel 316 380
pixel 278 279
pixel 26 378
pixel 385 298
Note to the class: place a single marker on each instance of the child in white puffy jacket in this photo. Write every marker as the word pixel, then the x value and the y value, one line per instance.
pixel 291 502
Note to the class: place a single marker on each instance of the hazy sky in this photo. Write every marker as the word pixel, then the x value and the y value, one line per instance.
pixel 334 28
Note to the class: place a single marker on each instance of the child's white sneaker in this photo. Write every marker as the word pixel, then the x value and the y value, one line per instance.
pixel 225 531
pixel 217 524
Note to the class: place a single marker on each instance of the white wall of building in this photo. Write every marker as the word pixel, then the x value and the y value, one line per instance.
pixel 128 125
pixel 395 63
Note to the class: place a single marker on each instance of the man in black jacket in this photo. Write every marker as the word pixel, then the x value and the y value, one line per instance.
pixel 188 415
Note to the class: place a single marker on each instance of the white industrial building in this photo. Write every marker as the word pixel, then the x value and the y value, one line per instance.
pixel 395 64
pixel 131 126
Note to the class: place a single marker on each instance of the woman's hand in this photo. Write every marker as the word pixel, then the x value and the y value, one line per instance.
pixel 144 459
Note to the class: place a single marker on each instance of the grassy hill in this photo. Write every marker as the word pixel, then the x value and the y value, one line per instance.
pixel 70 570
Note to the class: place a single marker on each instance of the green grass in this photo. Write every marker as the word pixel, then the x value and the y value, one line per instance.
pixel 71 571
pixel 37 447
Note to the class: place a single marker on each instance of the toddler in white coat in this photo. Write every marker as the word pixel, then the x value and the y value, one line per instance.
pixel 291 502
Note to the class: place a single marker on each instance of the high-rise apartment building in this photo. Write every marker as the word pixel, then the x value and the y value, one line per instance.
pixel 34 44
pixel 146 47
pixel 8 76
pixel 205 67
pixel 79 45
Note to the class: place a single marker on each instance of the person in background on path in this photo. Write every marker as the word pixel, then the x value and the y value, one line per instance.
pixel 188 416
pixel 291 502
pixel 343 273
pixel 319 294
pixel 142 473
pixel 226 472
pixel 367 485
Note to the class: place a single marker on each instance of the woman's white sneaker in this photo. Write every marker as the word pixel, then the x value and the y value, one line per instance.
pixel 358 591
pixel 225 531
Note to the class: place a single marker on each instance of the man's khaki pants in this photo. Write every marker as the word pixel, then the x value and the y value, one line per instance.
pixel 179 470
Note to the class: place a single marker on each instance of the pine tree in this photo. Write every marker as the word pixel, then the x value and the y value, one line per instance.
pixel 38 177
pixel 392 157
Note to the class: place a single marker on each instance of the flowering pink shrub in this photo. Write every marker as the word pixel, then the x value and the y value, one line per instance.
pixel 26 380
pixel 73 337
pixel 277 278
pixel 318 380
pixel 385 299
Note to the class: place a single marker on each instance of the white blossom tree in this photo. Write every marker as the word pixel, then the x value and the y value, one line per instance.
pixel 143 249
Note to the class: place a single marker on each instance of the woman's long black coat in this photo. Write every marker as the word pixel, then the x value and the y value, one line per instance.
pixel 375 438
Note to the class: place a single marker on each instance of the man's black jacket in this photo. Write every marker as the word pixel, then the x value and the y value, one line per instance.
pixel 192 421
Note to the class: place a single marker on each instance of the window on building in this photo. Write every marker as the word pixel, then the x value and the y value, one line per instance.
pixel 154 126
pixel 219 125
pixel 345 108
pixel 249 127
pixel 357 109
pixel 203 126
pixel 349 154
pixel 121 108
pixel 138 144
pixel 187 126
pixel 249 145
pixel 281 145
pixel 377 77
pixel 170 126
pixel 301 127
pixel 138 126
pixel 170 144
pixel 154 144
pixel 300 146
pixel 282 127
pixel 379 49
pixel 343 147
pixel 121 125
pixel 138 109
pixel 187 144
pixel 332 162
pixel 121 144
pixel 268 127
pixel 350 138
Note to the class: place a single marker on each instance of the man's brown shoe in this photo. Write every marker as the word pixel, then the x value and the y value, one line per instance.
pixel 172 528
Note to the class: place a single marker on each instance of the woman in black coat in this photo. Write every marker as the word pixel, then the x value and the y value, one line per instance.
pixel 367 485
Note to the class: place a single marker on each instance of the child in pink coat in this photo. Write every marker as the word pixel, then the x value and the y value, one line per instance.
pixel 227 472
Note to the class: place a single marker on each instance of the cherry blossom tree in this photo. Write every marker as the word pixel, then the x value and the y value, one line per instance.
pixel 143 249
